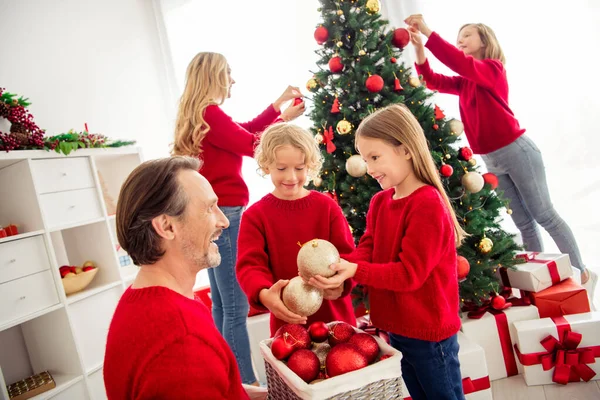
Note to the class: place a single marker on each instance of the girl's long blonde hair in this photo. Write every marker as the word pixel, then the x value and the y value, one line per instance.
pixel 207 82
pixel 396 125
pixel 488 38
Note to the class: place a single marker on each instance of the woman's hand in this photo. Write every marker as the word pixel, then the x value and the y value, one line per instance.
pixel 293 112
pixel 418 22
pixel 271 298
pixel 344 269
pixel 333 294
pixel 291 92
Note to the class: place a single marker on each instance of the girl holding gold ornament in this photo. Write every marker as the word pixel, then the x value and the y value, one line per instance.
pixel 203 130
pixel 407 255
pixel 494 132
pixel 272 229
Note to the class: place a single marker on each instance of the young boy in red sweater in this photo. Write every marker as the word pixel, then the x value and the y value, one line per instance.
pixel 407 256
pixel 272 228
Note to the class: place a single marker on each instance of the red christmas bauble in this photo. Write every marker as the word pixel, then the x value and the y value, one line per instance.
pixel 462 267
pixel 466 153
pixel 282 347
pixel 318 331
pixel 374 83
pixel 344 358
pixel 366 344
pixel 340 333
pixel 393 60
pixel 490 179
pixel 321 34
pixel 498 302
pixel 400 38
pixel 295 334
pixel 305 364
pixel 335 65
pixel 436 127
pixel 383 357
pixel 446 170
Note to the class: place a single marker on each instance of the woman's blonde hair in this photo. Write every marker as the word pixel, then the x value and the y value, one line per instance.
pixel 282 134
pixel 397 126
pixel 488 38
pixel 207 82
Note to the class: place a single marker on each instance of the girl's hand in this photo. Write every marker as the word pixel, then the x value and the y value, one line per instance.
pixel 291 92
pixel 271 298
pixel 293 112
pixel 333 294
pixel 344 269
pixel 415 37
pixel 418 22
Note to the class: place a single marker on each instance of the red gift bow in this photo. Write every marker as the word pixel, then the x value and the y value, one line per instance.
pixel 476 312
pixel 471 385
pixel 328 140
pixel 532 258
pixel 568 361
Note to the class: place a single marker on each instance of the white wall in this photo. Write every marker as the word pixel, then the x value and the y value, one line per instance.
pixel 89 61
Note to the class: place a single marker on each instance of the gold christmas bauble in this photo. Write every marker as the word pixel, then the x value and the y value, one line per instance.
pixel 340 12
pixel 319 138
pixel 456 127
pixel 509 211
pixel 448 156
pixel 472 162
pixel 343 127
pixel 362 52
pixel 473 182
pixel 311 84
pixel 315 257
pixel 372 6
pixel 414 81
pixel 485 245
pixel 317 182
pixel 355 166
pixel 302 298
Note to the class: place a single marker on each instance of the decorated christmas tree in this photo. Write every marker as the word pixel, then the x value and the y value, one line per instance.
pixel 360 71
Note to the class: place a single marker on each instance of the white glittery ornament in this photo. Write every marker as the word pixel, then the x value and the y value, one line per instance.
pixel 302 298
pixel 315 257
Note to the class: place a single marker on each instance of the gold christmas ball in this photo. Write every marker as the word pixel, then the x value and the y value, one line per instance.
pixel 372 6
pixel 456 127
pixel 485 245
pixel 311 84
pixel 473 182
pixel 355 166
pixel 317 182
pixel 339 44
pixel 315 257
pixel 319 138
pixel 339 12
pixel 472 162
pixel 362 53
pixel 414 81
pixel 448 156
pixel 302 298
pixel 509 211
pixel 343 127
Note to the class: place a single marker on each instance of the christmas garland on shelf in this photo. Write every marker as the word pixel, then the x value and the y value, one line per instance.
pixel 26 135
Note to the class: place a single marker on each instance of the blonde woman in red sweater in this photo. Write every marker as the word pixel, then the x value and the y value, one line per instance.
pixel 407 255
pixel 494 132
pixel 203 130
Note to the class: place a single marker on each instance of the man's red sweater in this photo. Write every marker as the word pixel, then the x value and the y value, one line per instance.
pixel 162 345
pixel 268 247
pixel 482 89
pixel 407 259
pixel 223 148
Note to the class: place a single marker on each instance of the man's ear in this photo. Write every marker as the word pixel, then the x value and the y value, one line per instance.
pixel 163 225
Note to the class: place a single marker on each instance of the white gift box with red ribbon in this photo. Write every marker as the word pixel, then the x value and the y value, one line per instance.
pixel 538 271
pixel 559 350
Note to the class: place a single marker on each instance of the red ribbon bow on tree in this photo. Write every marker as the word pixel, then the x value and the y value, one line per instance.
pixel 328 140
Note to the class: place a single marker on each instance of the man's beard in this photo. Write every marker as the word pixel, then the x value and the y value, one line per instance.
pixel 202 261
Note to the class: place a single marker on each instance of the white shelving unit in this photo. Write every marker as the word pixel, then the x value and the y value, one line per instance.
pixel 62 208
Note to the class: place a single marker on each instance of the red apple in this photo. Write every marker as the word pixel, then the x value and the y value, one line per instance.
pixel 318 331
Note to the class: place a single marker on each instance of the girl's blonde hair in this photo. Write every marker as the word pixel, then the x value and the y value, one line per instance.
pixel 488 38
pixel 282 134
pixel 397 126
pixel 207 82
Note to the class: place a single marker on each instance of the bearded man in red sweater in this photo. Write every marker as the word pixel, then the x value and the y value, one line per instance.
pixel 162 342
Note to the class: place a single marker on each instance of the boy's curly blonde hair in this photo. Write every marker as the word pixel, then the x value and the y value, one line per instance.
pixel 282 134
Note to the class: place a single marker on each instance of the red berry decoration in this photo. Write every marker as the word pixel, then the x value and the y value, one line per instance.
pixel 305 364
pixel 282 347
pixel 498 302
pixel 318 331
pixel 374 83
pixel 321 34
pixel 446 170
pixel 366 344
pixel 490 179
pixel 344 358
pixel 335 65
pixel 393 60
pixel 340 333
pixel 400 38
pixel 462 267
pixel 466 153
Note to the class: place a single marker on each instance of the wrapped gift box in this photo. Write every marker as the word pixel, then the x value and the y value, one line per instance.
pixel 566 298
pixel 539 272
pixel 495 333
pixel 476 382
pixel 560 350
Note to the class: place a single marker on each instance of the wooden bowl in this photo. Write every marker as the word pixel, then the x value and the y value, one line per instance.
pixel 76 283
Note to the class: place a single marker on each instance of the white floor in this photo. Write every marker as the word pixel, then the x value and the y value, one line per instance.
pixel 514 388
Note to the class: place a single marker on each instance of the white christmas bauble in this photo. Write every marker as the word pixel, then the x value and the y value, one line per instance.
pixel 319 138
pixel 302 298
pixel 317 181
pixel 473 182
pixel 355 166
pixel 315 257
pixel 456 127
